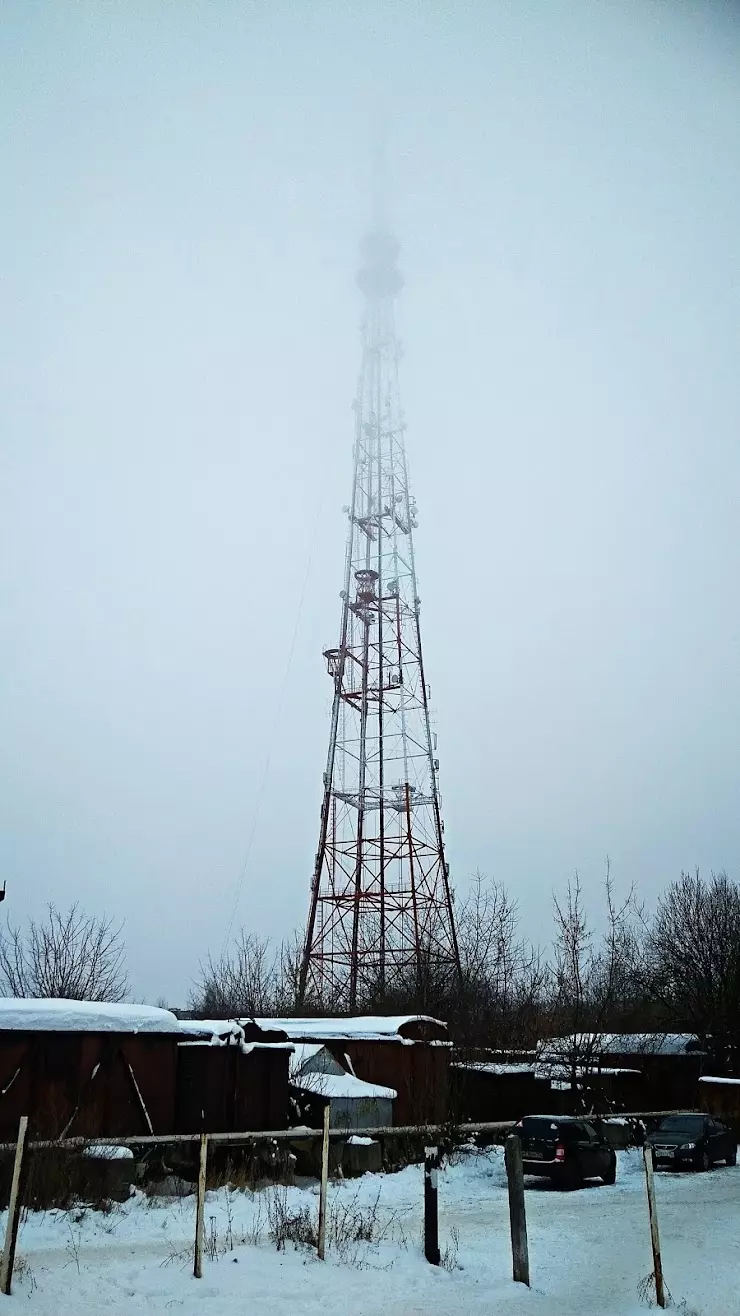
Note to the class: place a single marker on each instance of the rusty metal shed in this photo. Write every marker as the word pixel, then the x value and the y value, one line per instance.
pixel 496 1090
pixel 228 1085
pixel 84 1068
pixel 720 1096
pixel 409 1053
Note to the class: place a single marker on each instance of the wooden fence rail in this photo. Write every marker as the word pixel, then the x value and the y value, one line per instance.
pixel 430 1132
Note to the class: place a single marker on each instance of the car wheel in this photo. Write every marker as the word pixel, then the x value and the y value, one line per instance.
pixel 610 1175
pixel 732 1158
pixel 704 1162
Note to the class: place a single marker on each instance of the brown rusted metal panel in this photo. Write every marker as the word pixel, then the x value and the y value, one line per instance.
pixel 220 1089
pixel 670 1080
pixel 721 1100
pixel 81 1083
pixel 419 1074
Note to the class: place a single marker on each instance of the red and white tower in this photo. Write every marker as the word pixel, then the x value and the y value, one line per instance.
pixel 381 914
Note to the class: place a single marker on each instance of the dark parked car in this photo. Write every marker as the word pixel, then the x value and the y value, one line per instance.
pixel 566 1150
pixel 692 1142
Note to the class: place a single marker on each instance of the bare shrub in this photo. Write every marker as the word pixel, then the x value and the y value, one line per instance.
pixel 72 955
pixel 351 1228
pixel 52 1180
pixel 74 1242
pixel 646 1292
pixel 212 1248
pixel 290 1224
pixel 448 1257
pixel 23 1274
pixel 250 978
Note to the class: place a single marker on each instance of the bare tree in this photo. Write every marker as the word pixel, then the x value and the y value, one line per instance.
pixel 495 999
pixel 289 975
pixel 502 975
pixel 73 956
pixel 242 982
pixel 694 953
pixel 594 982
pixel 251 977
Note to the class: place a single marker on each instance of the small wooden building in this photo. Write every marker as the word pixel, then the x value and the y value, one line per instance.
pixel 86 1068
pixel 408 1053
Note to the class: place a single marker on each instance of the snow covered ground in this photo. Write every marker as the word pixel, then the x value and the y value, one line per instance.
pixel 588 1251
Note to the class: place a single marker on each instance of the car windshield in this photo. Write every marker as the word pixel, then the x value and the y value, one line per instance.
pixel 691 1125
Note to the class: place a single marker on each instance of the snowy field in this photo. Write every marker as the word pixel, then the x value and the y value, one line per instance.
pixel 588 1250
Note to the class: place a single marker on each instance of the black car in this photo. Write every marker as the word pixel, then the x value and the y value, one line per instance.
pixel 692 1142
pixel 566 1150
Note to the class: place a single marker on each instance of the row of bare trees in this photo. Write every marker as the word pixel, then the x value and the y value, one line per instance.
pixel 678 970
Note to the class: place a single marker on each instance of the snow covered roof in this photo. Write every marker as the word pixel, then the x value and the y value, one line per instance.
pixel 366 1028
pixel 345 1086
pixel 490 1067
pixel 724 1082
pixel 553 1069
pixel 225 1029
pixel 108 1152
pixel 52 1015
pixel 657 1044
pixel 654 1044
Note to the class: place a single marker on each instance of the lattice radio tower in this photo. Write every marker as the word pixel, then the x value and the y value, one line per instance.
pixel 381 914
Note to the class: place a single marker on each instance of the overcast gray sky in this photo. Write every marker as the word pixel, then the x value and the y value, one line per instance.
pixel 184 187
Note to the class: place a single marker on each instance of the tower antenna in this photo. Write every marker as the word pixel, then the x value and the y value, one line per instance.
pixel 381 920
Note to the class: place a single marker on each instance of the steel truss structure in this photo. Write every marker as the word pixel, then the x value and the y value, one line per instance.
pixel 381 912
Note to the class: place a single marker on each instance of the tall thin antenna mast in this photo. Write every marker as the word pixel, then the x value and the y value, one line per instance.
pixel 381 916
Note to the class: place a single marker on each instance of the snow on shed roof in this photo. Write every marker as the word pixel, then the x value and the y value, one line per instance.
pixel 655 1044
pixel 366 1028
pixel 717 1078
pixel 52 1015
pixel 499 1069
pixel 554 1069
pixel 336 1086
pixel 214 1028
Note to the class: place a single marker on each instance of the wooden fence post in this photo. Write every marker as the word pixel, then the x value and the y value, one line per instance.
pixel 517 1211
pixel 654 1234
pixel 321 1249
pixel 431 1205
pixel 14 1208
pixel 200 1208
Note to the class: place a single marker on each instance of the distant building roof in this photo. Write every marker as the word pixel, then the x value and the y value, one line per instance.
pixel 626 1044
pixel 499 1069
pixel 552 1069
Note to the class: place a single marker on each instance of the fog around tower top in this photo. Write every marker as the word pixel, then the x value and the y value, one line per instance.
pixel 186 189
